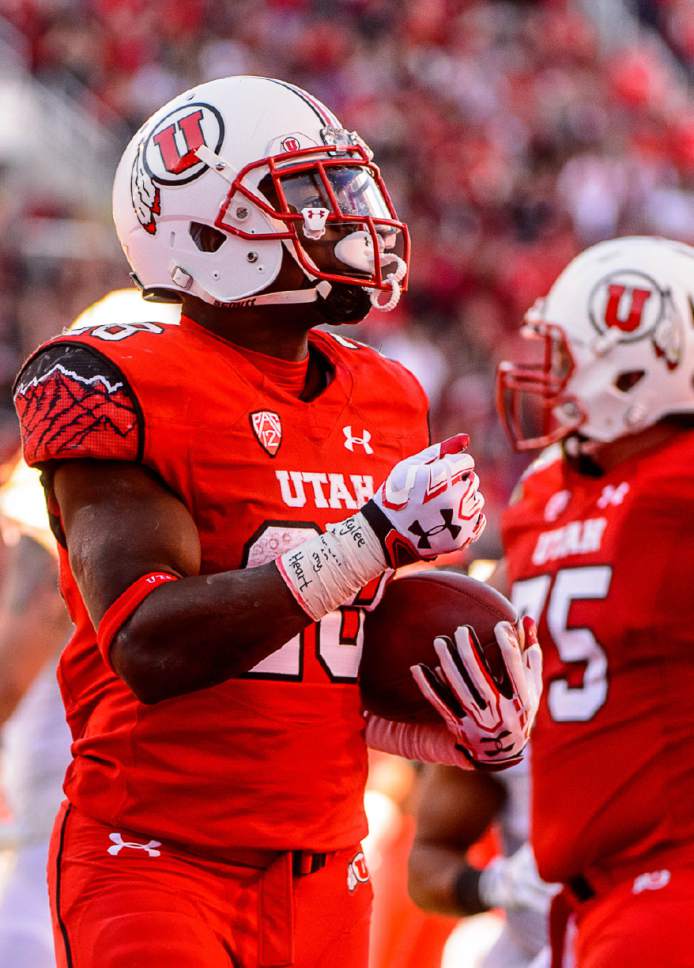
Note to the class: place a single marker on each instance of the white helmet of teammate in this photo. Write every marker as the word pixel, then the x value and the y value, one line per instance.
pixel 226 177
pixel 618 345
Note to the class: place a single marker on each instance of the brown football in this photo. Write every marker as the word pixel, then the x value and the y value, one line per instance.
pixel 400 632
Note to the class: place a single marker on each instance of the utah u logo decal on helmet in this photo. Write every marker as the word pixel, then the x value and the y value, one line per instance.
pixel 638 301
pixel 170 148
pixel 630 302
pixel 633 305
pixel 166 155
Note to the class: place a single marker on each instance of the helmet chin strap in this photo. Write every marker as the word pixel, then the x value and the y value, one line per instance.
pixel 294 297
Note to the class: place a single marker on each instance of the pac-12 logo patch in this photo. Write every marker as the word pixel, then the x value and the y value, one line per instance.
pixel 267 427
pixel 357 872
pixel 166 156
pixel 556 505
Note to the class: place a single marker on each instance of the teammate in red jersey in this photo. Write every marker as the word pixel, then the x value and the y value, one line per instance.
pixel 599 543
pixel 213 487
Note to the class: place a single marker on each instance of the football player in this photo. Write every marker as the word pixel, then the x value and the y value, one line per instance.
pixel 599 545
pixel 214 490
pixel 454 809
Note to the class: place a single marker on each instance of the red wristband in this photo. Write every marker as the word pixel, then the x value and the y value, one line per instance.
pixel 117 614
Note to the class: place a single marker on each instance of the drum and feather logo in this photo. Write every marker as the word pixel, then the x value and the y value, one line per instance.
pixel 166 155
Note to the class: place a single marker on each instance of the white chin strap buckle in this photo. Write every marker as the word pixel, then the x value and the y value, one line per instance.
pixel 314 222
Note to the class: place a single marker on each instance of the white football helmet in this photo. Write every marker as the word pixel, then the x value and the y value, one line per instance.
pixel 617 331
pixel 223 179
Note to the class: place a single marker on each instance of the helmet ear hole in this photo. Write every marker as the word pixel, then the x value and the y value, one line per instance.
pixel 626 381
pixel 206 237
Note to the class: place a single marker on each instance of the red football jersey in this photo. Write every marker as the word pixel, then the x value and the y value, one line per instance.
pixel 275 758
pixel 605 564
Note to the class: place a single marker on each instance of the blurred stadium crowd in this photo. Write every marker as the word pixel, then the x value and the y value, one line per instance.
pixel 511 135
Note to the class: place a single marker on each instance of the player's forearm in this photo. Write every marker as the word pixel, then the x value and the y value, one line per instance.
pixel 198 631
pixel 440 880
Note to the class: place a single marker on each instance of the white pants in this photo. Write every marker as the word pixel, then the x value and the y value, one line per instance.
pixel 26 938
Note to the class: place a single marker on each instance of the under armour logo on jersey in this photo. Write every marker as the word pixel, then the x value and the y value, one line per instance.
pixel 267 427
pixel 118 844
pixel 453 529
pixel 556 505
pixel 652 881
pixel 357 872
pixel 363 441
pixel 613 495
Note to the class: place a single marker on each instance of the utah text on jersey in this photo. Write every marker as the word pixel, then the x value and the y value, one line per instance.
pixel 325 489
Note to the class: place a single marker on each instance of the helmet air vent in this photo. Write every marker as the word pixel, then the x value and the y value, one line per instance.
pixel 206 237
pixel 626 381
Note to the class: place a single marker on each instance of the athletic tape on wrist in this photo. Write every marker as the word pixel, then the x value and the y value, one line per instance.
pixel 424 742
pixel 326 571
pixel 117 614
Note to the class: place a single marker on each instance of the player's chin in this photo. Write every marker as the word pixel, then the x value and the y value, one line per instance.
pixel 344 304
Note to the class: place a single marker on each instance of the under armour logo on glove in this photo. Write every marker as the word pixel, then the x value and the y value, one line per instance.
pixel 119 844
pixel 433 495
pixel 424 536
pixel 498 745
pixel 491 719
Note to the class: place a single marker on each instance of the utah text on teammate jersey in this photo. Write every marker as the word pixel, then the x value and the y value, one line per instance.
pixel 575 538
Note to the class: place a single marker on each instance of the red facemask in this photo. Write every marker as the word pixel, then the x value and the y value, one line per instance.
pixel 527 394
pixel 345 191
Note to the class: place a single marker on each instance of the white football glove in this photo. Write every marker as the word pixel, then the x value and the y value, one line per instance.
pixel 429 504
pixel 514 884
pixel 491 720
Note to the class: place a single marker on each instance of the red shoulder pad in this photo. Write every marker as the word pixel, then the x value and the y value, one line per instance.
pixel 72 402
